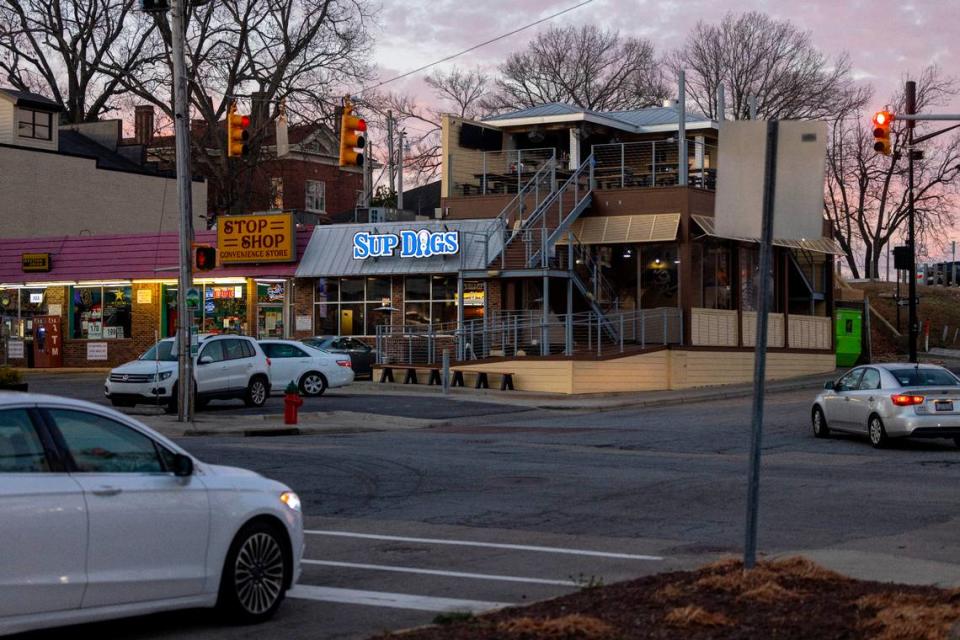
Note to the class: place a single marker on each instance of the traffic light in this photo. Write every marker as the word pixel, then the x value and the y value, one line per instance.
pixel 205 258
pixel 352 137
pixel 237 134
pixel 881 131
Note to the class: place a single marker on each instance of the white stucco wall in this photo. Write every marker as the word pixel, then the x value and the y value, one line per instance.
pixel 47 194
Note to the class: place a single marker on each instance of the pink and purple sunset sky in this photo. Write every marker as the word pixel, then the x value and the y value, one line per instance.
pixel 885 39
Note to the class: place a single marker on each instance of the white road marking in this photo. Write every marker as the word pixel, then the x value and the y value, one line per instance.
pixel 392 600
pixel 491 545
pixel 437 572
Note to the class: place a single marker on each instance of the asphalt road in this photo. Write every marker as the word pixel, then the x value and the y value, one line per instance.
pixel 533 504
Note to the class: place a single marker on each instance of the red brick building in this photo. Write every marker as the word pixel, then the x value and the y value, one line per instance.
pixel 306 177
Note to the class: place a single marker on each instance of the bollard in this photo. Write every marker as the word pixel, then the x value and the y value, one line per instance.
pixel 446 371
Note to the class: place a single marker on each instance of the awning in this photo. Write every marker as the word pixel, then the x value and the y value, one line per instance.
pixel 820 245
pixel 651 227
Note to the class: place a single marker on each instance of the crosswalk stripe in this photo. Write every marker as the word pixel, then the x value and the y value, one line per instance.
pixel 391 600
pixel 492 545
pixel 438 572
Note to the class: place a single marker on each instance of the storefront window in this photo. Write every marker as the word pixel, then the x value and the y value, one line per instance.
pixel 224 309
pixel 430 300
pixel 270 299
pixel 749 270
pixel 351 306
pixel 716 292
pixel 18 307
pixel 101 313
pixel 659 285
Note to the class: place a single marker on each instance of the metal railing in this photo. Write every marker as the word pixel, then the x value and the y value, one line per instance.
pixel 495 172
pixel 525 333
pixel 653 164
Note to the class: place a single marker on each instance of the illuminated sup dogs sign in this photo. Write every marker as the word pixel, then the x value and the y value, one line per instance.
pixel 410 244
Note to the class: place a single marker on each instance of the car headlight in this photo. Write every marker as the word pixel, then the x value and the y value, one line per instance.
pixel 164 375
pixel 290 499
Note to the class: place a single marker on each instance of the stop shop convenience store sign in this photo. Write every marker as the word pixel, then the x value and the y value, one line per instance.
pixel 256 238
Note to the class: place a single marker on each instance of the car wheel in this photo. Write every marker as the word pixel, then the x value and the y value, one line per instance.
pixel 313 384
pixel 820 428
pixel 171 406
pixel 121 403
pixel 256 393
pixel 255 575
pixel 878 435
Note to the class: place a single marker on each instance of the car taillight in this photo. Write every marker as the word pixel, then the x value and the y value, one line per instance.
pixel 268 362
pixel 903 400
pixel 344 363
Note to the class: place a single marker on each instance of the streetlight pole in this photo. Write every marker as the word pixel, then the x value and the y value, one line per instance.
pixel 910 96
pixel 181 123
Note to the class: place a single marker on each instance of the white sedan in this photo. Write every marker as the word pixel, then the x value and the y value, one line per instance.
pixel 103 518
pixel 312 370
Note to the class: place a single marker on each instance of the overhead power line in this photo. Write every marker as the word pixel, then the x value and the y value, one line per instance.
pixel 474 47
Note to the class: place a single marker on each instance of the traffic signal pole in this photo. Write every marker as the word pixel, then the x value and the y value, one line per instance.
pixel 910 95
pixel 181 122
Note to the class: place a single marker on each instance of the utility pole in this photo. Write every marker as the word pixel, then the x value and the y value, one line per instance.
pixel 181 122
pixel 391 163
pixel 400 133
pixel 910 95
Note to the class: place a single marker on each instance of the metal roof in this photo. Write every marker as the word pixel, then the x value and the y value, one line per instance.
pixel 330 251
pixel 655 116
pixel 634 120
pixel 541 110
pixel 820 245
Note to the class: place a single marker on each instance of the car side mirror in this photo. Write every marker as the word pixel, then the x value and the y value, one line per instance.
pixel 205 360
pixel 829 385
pixel 182 465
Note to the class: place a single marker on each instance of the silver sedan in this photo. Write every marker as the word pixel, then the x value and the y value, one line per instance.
pixel 892 400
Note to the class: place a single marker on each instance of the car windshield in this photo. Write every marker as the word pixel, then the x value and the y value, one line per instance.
pixel 925 378
pixel 165 352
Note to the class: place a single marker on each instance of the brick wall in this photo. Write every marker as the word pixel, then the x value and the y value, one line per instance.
pixel 302 306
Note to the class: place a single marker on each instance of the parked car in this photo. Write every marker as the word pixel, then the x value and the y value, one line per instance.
pixel 226 366
pixel 885 401
pixel 361 354
pixel 312 370
pixel 109 519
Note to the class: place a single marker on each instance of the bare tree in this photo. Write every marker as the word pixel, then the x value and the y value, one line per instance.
pixel 258 53
pixel 586 66
pixel 866 193
pixel 457 91
pixel 754 55
pixel 58 48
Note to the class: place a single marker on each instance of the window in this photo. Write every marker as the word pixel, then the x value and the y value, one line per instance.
pixel 917 377
pixel 851 381
pixel 18 308
pixel 214 351
pixel 276 193
pixel 316 200
pixel 351 306
pixel 34 124
pixel 430 300
pixel 280 350
pixel 233 350
pixel 100 445
pixel 20 447
pixel 871 379
pixel 101 313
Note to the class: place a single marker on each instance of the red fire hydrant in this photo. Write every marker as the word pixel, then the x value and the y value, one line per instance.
pixel 291 403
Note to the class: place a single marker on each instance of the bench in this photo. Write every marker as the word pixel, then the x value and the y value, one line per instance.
pixel 411 373
pixel 483 379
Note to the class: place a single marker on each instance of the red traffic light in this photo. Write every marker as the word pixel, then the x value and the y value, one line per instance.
pixel 205 258
pixel 244 121
pixel 881 131
pixel 361 124
pixel 882 118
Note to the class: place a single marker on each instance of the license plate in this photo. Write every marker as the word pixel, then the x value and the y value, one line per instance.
pixel 943 405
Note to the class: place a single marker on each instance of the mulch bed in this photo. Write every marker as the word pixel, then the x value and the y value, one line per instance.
pixel 785 599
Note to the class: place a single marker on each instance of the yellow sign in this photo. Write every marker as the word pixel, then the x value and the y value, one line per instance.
pixel 256 238
pixel 33 262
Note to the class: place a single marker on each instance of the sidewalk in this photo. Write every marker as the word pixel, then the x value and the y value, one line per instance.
pixel 225 423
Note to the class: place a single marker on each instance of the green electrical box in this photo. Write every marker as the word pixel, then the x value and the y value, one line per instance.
pixel 849 336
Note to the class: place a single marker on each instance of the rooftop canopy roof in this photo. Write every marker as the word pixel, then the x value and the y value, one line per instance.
pixel 649 120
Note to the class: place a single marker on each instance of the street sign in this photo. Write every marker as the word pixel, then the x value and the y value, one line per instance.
pixel 193 298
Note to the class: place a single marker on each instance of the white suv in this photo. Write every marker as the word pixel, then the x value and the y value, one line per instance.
pixel 226 366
